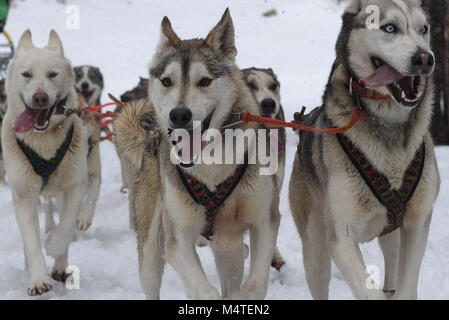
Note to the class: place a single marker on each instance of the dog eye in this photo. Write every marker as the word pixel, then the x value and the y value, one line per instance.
pixel 390 28
pixel 166 82
pixel 205 82
pixel 425 30
pixel 27 75
pixel 273 87
pixel 252 86
pixel 52 75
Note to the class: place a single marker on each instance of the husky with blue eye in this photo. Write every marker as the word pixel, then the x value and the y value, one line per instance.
pixel 379 179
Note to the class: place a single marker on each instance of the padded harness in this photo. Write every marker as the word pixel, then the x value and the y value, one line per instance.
pixel 211 201
pixel 41 166
pixel 394 200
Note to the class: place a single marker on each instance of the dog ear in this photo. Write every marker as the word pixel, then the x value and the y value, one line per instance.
pixel 168 36
pixel 55 43
pixel 222 37
pixel 355 6
pixel 25 42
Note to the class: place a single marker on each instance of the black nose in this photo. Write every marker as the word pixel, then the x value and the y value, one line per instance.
pixel 84 86
pixel 180 117
pixel 423 62
pixel 268 106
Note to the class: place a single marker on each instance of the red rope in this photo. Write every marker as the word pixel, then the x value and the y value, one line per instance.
pixel 248 117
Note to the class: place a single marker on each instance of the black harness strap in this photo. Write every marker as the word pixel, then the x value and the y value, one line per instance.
pixel 60 107
pixel 43 167
pixel 211 201
pixel 394 200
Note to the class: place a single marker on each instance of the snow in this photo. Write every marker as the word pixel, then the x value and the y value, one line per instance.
pixel 120 36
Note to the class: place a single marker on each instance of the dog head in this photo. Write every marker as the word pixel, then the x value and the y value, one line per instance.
pixel 89 83
pixel 265 86
pixel 386 45
pixel 139 92
pixel 38 79
pixel 192 80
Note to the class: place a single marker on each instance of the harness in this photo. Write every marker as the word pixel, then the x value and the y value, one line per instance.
pixel 394 200
pixel 41 166
pixel 211 201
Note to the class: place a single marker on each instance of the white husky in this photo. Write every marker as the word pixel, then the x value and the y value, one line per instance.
pixel 45 152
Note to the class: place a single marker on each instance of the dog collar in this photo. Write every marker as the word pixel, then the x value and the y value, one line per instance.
pixel 61 108
pixel 366 92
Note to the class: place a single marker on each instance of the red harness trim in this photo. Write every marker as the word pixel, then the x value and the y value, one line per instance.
pixel 394 200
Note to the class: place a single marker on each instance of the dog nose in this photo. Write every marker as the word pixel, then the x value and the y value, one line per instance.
pixel 268 106
pixel 84 86
pixel 180 117
pixel 423 62
pixel 40 100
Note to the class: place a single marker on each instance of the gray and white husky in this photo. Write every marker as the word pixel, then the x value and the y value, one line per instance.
pixel 198 80
pixel 334 208
pixel 45 152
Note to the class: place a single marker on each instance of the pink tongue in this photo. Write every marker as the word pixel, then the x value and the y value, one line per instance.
pixel 383 76
pixel 24 122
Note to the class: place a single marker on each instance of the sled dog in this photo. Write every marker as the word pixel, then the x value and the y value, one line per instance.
pixel 197 80
pixel 266 88
pixel 45 152
pixel 380 178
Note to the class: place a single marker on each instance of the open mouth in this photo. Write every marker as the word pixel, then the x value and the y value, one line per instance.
pixel 33 118
pixel 87 95
pixel 195 147
pixel 406 90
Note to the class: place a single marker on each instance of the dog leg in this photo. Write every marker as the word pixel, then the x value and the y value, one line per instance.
pixel 2 170
pixel 413 244
pixel 184 259
pixel 263 236
pixel 151 268
pixel 124 188
pixel 27 219
pixel 390 244
pixel 59 269
pixel 348 258
pixel 49 218
pixel 88 208
pixel 230 266
pixel 59 240
pixel 317 261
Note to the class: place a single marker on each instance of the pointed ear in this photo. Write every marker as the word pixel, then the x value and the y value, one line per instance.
pixel 222 37
pixel 55 43
pixel 25 42
pixel 355 6
pixel 168 37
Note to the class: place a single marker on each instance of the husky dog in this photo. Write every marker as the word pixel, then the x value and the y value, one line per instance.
pixel 89 86
pixel 2 115
pixel 138 93
pixel 266 88
pixel 45 152
pixel 336 200
pixel 197 80
pixel 89 83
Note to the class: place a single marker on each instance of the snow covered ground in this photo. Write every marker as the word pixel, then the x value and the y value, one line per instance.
pixel 120 36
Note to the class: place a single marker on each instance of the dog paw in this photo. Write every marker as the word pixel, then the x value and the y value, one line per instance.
pixel 277 263
pixel 124 190
pixel 84 220
pixel 60 276
pixel 49 227
pixel 39 287
pixel 57 242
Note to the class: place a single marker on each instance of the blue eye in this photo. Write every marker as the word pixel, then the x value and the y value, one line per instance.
pixel 390 28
